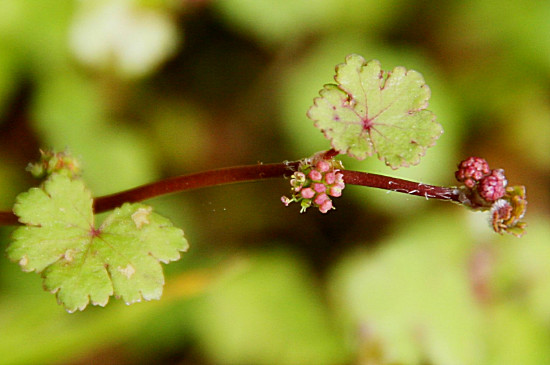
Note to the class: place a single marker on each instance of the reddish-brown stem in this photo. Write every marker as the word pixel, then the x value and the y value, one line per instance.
pixel 198 180
pixel 400 185
pixel 8 219
pixel 239 174
pixel 330 154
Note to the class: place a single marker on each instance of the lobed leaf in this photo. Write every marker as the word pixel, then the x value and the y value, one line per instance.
pixel 372 111
pixel 82 264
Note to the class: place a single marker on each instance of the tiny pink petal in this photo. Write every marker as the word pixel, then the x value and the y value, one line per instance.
pixel 323 166
pixel 308 193
pixel 321 198
pixel 286 201
pixel 299 177
pixel 326 206
pixel 330 178
pixel 340 184
pixel 315 175
pixel 319 187
pixel 335 191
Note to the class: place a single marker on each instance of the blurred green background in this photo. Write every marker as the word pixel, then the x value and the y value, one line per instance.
pixel 146 89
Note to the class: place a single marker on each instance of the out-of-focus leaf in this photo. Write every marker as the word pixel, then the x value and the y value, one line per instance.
pixel 525 264
pixel 486 24
pixel 515 337
pixel 68 111
pixel 413 295
pixel 36 32
pixel 273 22
pixel 529 127
pixel 268 314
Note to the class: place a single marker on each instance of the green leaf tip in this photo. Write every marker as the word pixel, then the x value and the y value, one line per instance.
pixel 373 111
pixel 83 264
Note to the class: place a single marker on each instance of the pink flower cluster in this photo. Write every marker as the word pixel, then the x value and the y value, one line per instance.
pixel 315 184
pixel 472 170
pixel 493 186
pixel 475 173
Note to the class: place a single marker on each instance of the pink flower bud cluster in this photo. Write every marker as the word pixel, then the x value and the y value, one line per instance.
pixel 472 170
pixel 315 184
pixel 487 189
pixel 493 186
pixel 475 173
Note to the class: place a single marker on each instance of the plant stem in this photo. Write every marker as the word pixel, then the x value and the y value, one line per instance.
pixel 198 180
pixel 250 173
pixel 401 186
pixel 8 219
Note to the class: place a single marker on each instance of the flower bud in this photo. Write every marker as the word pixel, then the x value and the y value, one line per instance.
pixel 315 175
pixel 323 166
pixel 330 178
pixel 319 187
pixel 326 206
pixel 321 198
pixel 335 191
pixel 308 193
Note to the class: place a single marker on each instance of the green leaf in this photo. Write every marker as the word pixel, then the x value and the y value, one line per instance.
pixel 269 290
pixel 372 111
pixel 83 264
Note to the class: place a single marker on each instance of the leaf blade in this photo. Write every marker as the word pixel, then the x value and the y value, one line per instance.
pixel 82 264
pixel 60 205
pixel 372 111
pixel 134 265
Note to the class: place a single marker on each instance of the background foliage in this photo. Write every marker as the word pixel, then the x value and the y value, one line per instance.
pixel 144 89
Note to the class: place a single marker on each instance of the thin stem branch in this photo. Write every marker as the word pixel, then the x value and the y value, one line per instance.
pixel 401 186
pixel 198 180
pixel 249 173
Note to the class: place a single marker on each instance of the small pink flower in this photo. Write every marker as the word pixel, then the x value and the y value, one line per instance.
pixel 297 182
pixel 298 179
pixel 308 193
pixel 323 166
pixel 492 187
pixel 321 198
pixel 315 183
pixel 340 185
pixel 286 201
pixel 319 187
pixel 315 175
pixel 326 206
pixel 335 191
pixel 330 178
